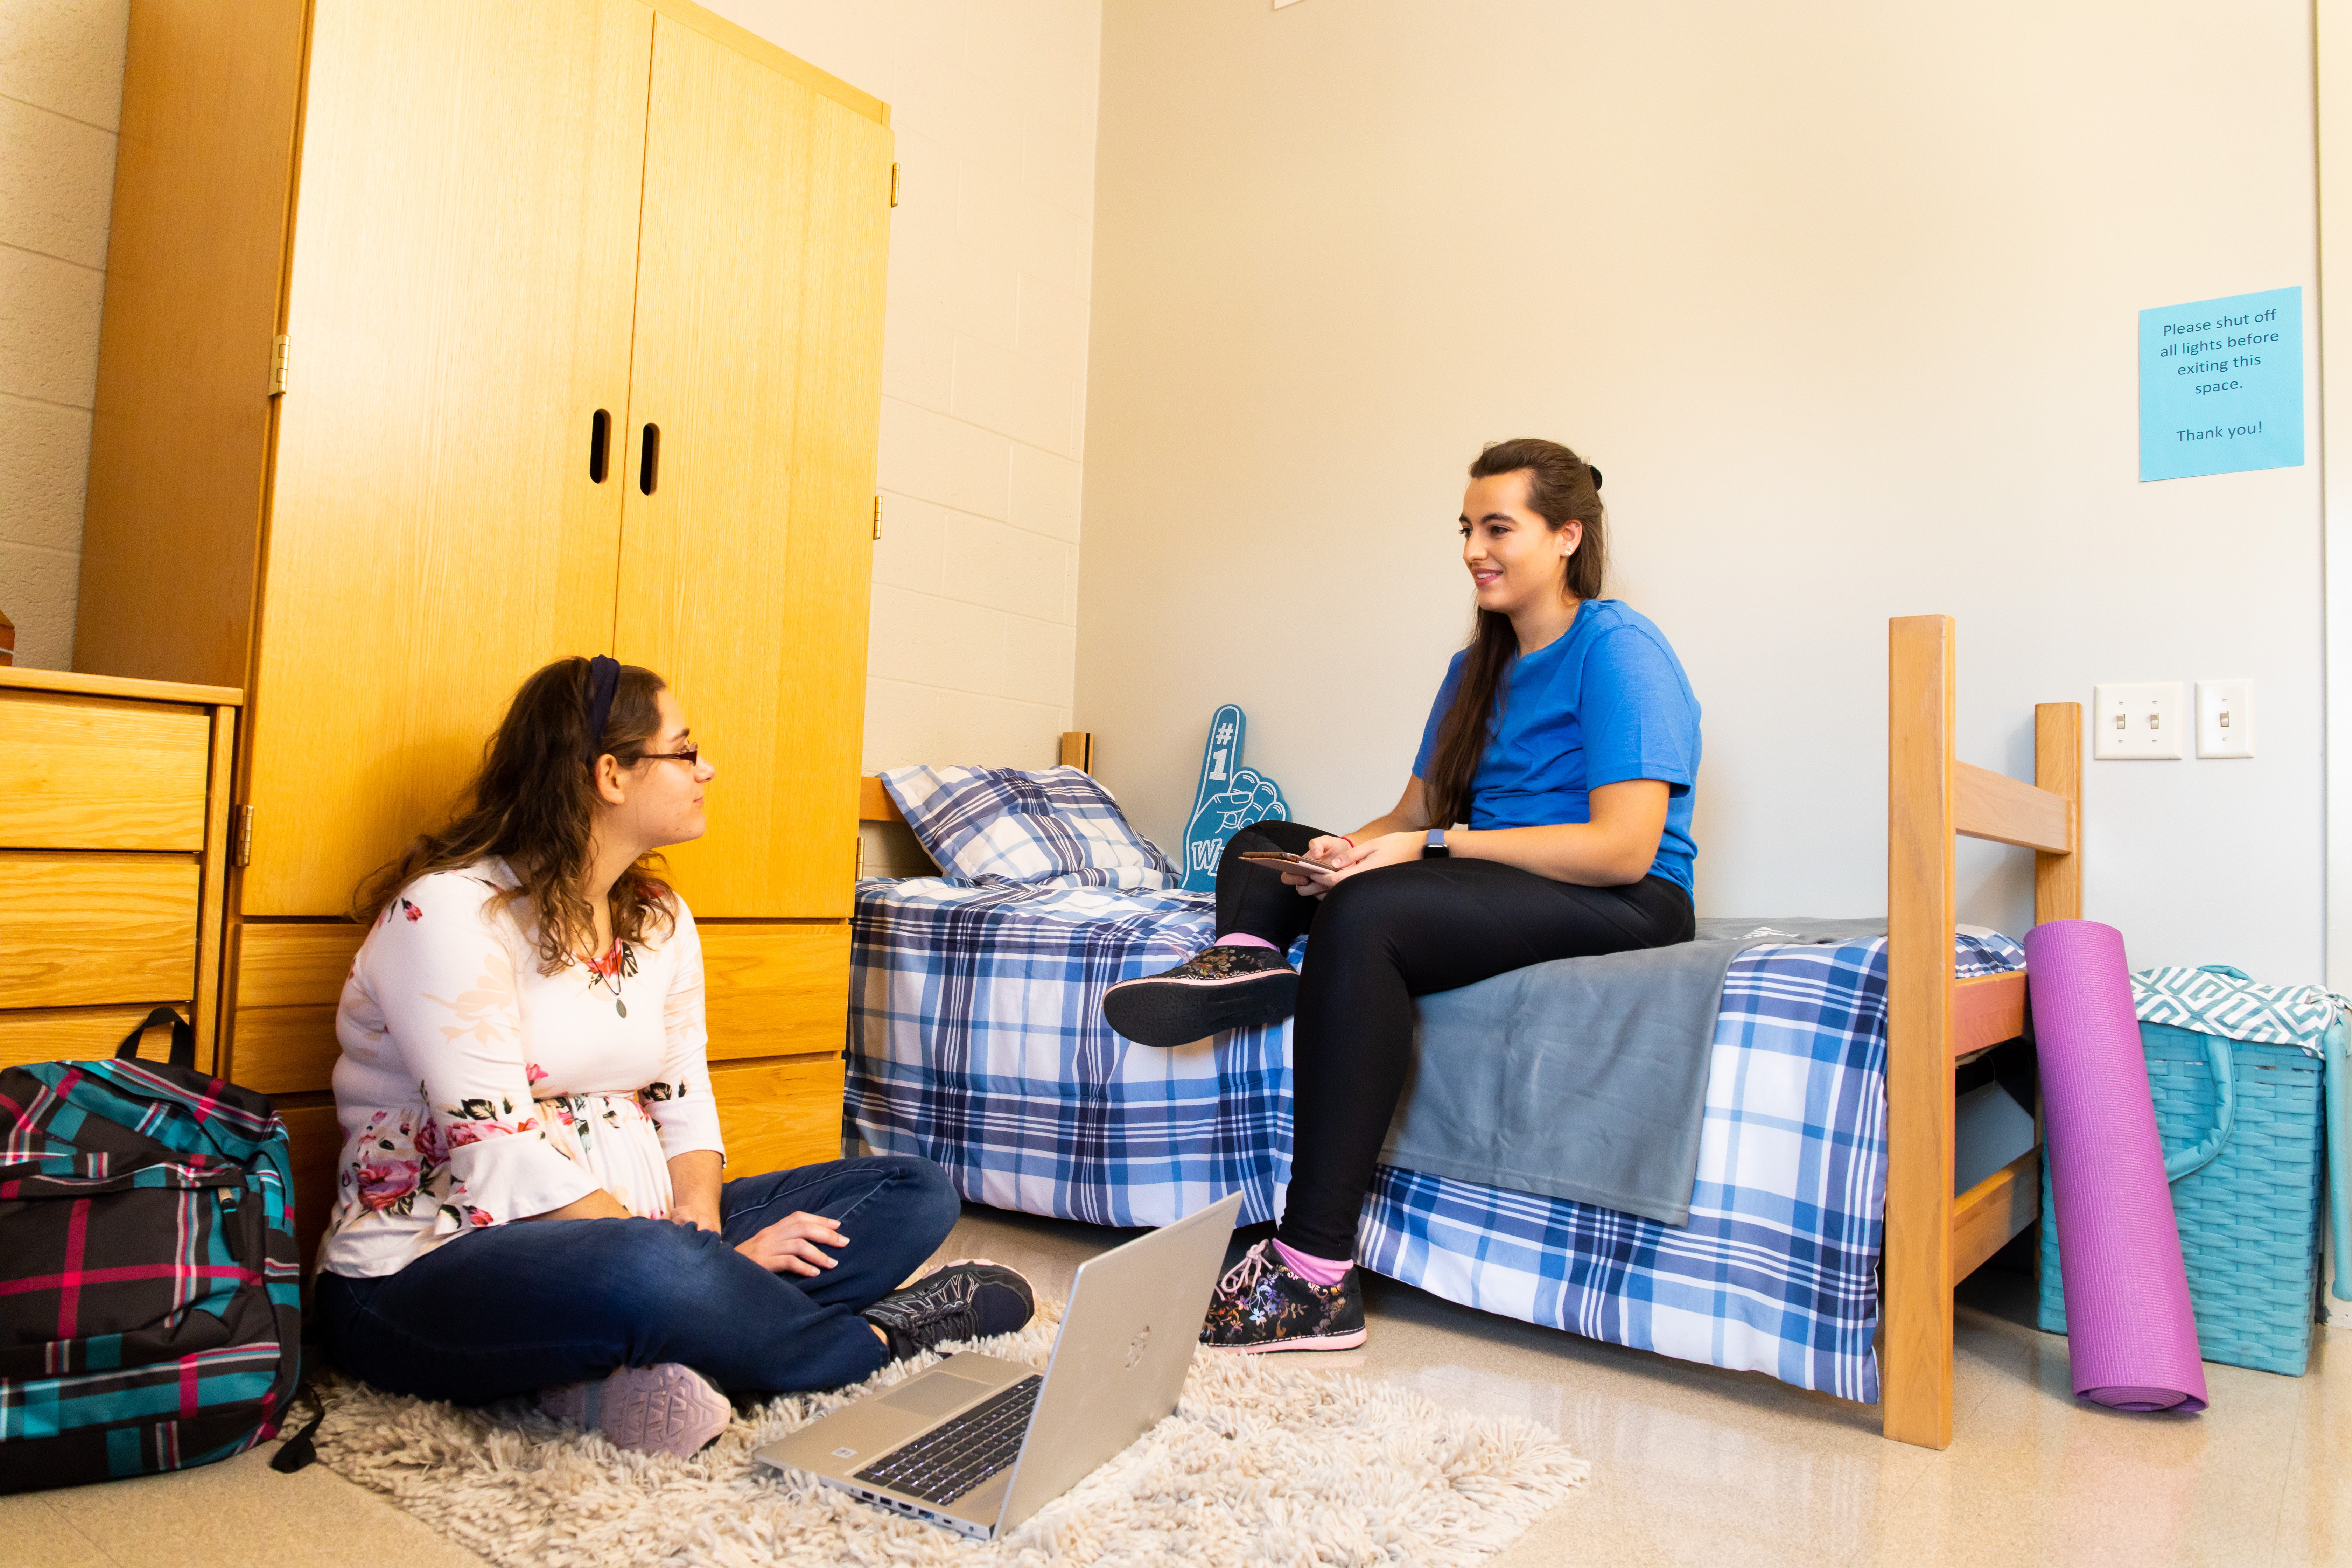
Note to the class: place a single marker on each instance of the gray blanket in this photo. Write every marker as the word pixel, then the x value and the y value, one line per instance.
pixel 1582 1078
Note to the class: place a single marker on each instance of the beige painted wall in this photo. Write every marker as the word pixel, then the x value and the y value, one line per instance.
pixel 975 579
pixel 60 95
pixel 1841 296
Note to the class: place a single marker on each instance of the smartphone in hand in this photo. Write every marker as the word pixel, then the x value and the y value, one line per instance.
pixel 1282 858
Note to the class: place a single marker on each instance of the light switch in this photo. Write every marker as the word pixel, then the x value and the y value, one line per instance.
pixel 2225 718
pixel 2138 722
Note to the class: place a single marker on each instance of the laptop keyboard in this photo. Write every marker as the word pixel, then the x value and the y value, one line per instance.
pixel 950 1460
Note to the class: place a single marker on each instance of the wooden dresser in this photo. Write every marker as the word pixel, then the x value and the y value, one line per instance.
pixel 114 856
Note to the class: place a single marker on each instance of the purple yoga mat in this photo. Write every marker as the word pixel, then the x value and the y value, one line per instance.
pixel 2132 1336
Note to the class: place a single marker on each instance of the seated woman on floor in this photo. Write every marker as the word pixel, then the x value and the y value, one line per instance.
pixel 529 1197
pixel 1566 735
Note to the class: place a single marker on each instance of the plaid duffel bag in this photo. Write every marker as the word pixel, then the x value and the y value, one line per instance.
pixel 149 1289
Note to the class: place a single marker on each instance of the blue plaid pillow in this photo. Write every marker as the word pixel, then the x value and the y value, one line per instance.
pixel 989 826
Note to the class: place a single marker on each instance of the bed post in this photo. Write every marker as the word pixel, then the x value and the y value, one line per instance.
pixel 2058 768
pixel 1916 1270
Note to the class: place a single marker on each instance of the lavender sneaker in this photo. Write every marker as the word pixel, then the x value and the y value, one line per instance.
pixel 669 1408
pixel 1217 988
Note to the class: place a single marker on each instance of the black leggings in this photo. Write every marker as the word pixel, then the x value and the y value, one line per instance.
pixel 1380 939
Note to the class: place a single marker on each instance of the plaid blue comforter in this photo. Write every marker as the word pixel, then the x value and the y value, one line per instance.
pixel 976 1040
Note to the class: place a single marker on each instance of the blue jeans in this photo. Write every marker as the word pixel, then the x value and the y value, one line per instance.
pixel 522 1307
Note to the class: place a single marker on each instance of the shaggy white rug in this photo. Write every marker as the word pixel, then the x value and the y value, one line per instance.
pixel 1261 1464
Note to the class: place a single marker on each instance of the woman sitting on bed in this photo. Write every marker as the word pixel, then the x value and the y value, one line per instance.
pixel 529 1197
pixel 1566 734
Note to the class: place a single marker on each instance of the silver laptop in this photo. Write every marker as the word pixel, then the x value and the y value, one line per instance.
pixel 978 1445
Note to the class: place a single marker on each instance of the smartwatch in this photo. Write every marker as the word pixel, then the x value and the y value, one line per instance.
pixel 1434 848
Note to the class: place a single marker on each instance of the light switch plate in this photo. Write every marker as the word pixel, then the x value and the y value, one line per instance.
pixel 2141 721
pixel 2225 718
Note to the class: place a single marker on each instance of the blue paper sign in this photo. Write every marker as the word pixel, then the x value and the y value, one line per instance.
pixel 1229 799
pixel 2220 385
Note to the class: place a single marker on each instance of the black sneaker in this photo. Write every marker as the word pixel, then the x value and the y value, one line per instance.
pixel 968 1299
pixel 1261 1305
pixel 1217 988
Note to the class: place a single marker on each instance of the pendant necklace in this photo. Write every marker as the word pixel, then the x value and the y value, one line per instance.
pixel 610 970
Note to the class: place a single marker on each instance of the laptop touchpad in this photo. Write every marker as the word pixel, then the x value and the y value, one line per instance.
pixel 935 1394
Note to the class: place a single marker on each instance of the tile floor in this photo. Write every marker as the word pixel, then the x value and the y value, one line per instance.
pixel 1690 1465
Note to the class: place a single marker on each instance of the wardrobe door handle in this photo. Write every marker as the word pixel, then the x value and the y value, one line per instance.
pixel 649 460
pixel 600 445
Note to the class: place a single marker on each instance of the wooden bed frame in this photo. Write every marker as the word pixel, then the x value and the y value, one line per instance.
pixel 1934 1241
pixel 1934 1022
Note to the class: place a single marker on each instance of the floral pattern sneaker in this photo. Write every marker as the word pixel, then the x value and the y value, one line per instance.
pixel 1217 988
pixel 1261 1305
pixel 669 1408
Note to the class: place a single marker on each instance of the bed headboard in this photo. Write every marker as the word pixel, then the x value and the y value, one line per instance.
pixel 875 804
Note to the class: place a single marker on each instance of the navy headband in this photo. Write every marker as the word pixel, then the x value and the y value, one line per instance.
pixel 603 681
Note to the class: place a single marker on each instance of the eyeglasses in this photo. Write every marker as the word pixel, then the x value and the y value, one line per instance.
pixel 691 756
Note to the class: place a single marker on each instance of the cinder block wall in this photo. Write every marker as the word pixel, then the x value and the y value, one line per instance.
pixel 985 360
pixel 60 95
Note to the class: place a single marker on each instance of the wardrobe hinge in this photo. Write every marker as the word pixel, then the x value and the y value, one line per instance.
pixel 280 351
pixel 894 184
pixel 878 517
pixel 245 836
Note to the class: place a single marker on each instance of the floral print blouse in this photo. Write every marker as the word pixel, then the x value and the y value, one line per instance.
pixel 474 1091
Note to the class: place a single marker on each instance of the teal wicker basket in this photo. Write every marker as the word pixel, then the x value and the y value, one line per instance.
pixel 2250 1209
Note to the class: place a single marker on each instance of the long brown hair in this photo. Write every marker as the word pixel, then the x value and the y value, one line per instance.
pixel 533 803
pixel 1561 488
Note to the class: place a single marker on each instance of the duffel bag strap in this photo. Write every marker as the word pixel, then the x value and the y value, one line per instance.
pixel 2222 1065
pixel 298 1452
pixel 183 1037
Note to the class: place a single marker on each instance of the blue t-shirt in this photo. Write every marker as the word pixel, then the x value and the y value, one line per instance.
pixel 1604 702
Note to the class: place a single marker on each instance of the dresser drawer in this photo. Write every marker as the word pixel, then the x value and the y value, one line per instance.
pixel 773 1114
pixel 79 1034
pixel 295 966
pixel 98 772
pixel 79 931
pixel 769 990
pixel 289 979
pixel 284 1051
pixel 776 1115
pixel 773 990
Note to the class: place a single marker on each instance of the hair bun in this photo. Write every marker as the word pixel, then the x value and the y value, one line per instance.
pixel 1594 470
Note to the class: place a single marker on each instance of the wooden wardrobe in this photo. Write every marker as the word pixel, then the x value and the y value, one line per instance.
pixel 446 337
